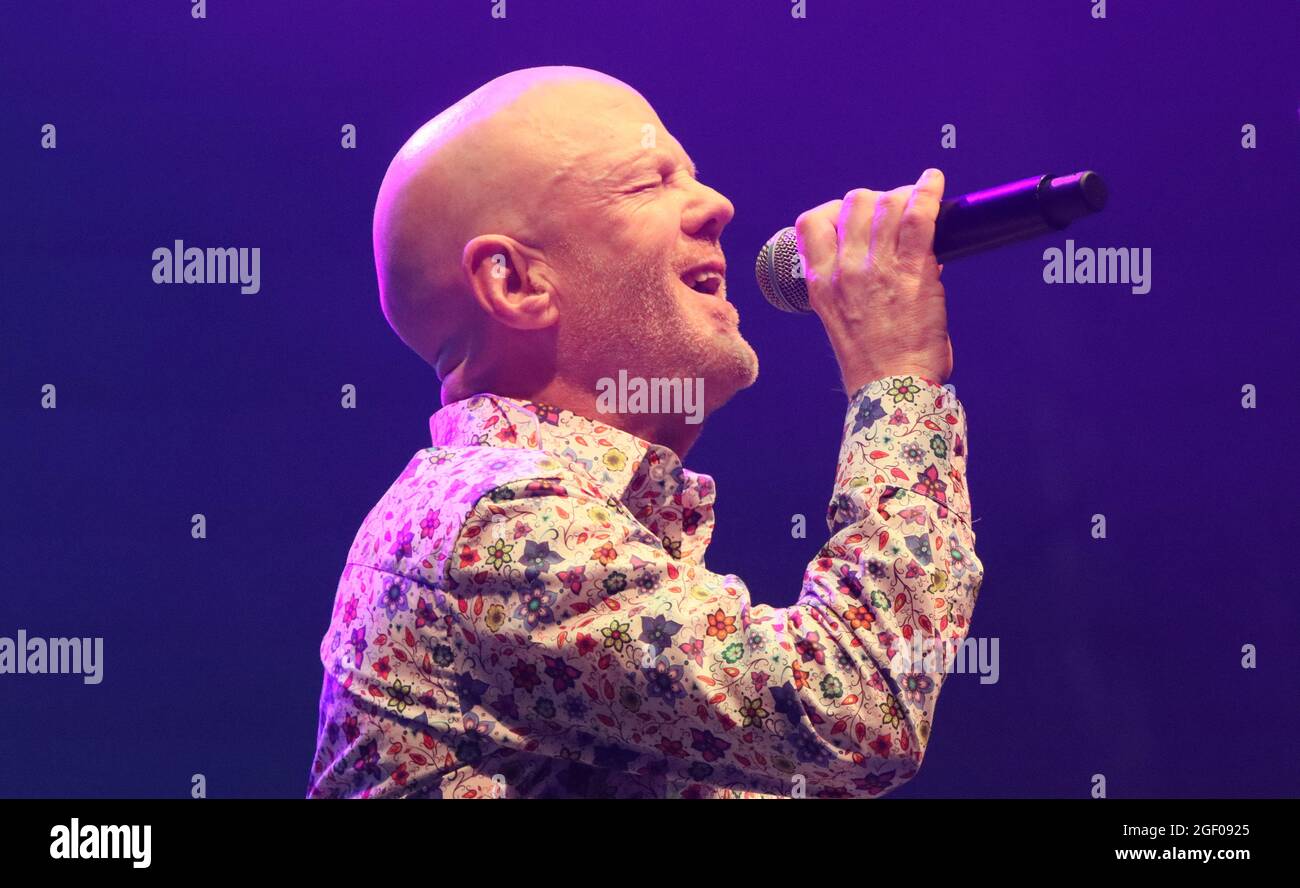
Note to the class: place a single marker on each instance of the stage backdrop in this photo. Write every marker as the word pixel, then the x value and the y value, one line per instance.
pixel 1165 405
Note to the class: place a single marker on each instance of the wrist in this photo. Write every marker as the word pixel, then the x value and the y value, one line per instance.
pixel 855 380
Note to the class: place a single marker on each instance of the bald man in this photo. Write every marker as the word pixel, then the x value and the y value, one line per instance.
pixel 527 611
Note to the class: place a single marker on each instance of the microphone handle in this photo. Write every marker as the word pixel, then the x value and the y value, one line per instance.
pixel 1013 212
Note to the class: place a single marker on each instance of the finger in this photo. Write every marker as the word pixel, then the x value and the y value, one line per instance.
pixel 817 239
pixel 854 227
pixel 884 224
pixel 916 229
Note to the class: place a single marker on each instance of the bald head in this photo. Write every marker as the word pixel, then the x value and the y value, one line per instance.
pixel 492 163
pixel 547 233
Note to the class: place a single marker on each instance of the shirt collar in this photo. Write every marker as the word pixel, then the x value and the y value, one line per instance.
pixel 674 503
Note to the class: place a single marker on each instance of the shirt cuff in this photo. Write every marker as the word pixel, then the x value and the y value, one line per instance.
pixel 905 433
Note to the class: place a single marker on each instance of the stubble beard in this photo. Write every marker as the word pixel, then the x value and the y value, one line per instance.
pixel 632 320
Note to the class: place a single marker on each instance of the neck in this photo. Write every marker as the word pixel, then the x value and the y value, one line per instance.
pixel 667 429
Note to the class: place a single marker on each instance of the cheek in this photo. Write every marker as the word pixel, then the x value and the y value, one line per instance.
pixel 627 258
pixel 648 230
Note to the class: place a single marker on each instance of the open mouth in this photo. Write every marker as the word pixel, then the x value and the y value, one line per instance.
pixel 707 281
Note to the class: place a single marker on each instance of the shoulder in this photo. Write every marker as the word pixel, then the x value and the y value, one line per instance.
pixel 415 524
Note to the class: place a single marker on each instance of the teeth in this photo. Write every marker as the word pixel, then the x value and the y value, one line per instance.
pixel 708 282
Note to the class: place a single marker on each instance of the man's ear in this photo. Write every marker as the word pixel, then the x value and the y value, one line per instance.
pixel 511 282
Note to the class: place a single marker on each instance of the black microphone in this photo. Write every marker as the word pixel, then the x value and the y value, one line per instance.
pixel 968 224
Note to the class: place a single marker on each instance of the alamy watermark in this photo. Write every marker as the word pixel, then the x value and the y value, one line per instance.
pixel 1102 265
pixel 658 394
pixel 933 656
pixel 180 264
pixel 78 841
pixel 53 656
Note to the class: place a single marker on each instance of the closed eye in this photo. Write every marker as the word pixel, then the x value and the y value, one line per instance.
pixel 662 180
pixel 645 186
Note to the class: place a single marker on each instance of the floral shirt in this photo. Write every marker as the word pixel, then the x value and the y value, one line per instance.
pixel 527 613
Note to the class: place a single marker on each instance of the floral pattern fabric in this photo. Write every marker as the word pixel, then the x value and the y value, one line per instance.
pixel 527 613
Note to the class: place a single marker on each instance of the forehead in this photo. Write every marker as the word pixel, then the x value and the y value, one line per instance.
pixel 601 130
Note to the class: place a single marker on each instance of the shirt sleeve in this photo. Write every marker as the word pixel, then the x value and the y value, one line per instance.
pixel 610 651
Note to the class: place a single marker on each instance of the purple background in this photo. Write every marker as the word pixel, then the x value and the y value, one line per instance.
pixel 1119 656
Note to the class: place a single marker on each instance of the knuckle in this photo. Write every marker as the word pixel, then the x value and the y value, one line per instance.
pixel 858 195
pixel 909 265
pixel 913 220
pixel 923 203
pixel 852 270
pixel 804 226
pixel 810 219
pixel 888 202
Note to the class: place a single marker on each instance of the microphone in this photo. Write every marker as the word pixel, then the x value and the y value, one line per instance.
pixel 968 224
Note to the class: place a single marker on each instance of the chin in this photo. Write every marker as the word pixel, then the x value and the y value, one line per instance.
pixel 743 359
pixel 733 368
pixel 747 373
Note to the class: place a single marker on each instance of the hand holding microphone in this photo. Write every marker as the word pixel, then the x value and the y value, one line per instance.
pixel 872 278
pixel 890 267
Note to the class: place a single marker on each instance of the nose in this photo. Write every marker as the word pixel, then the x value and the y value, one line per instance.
pixel 707 214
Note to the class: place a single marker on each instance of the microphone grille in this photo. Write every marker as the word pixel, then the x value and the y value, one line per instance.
pixel 777 269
